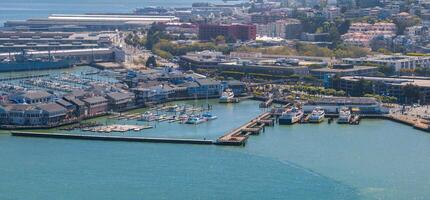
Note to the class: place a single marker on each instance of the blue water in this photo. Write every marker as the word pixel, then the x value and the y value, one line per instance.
pixel 24 9
pixel 376 160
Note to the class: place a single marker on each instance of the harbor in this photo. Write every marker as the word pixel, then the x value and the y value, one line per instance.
pixel 303 151
pixel 159 124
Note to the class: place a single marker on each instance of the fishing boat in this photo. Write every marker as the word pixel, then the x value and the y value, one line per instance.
pixel 291 117
pixel 209 116
pixel 228 97
pixel 195 120
pixel 344 116
pixel 317 115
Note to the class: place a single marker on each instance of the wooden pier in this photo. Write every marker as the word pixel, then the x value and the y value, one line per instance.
pixel 239 136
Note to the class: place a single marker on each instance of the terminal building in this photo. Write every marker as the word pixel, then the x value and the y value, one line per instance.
pixel 88 22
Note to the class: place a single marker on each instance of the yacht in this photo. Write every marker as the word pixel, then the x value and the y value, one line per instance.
pixel 291 117
pixel 344 116
pixel 317 115
pixel 148 117
pixel 228 97
pixel 195 120
pixel 209 116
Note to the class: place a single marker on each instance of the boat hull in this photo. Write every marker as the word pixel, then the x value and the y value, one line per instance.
pixel 316 119
pixel 288 121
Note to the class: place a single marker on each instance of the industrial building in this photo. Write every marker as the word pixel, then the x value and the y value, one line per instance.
pixel 16 41
pixel 87 22
pixel 83 56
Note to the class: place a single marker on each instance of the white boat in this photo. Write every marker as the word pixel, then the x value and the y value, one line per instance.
pixel 291 116
pixel 148 117
pixel 209 116
pixel 228 97
pixel 344 116
pixel 195 120
pixel 317 115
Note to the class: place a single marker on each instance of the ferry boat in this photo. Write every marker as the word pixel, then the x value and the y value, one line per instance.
pixel 344 116
pixel 291 117
pixel 209 116
pixel 228 97
pixel 317 115
pixel 195 120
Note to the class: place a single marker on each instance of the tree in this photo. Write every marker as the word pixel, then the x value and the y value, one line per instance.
pixel 411 93
pixel 219 40
pixel 151 62
pixel 362 87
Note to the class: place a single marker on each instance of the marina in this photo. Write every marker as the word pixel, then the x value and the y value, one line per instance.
pixel 303 151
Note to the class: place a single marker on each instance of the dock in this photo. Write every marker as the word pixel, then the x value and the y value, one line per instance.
pixel 112 138
pixel 239 136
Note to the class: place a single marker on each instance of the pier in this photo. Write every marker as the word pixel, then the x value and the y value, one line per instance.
pixel 112 138
pixel 239 136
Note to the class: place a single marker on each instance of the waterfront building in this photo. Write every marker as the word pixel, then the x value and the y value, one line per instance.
pixel 343 70
pixel 81 109
pixel 397 62
pixel 53 113
pixel 80 56
pixel 388 86
pixel 16 41
pixel 97 105
pixel 235 31
pixel 119 101
pixel 152 94
pixel 265 65
pixel 31 97
pixel 366 105
pixel 238 87
pixel 88 22
pixel 49 114
pixel 207 87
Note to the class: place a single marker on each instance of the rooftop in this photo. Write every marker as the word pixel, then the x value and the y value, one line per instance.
pixel 393 81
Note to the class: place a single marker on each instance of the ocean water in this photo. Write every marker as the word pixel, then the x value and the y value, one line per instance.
pixel 376 160
pixel 24 9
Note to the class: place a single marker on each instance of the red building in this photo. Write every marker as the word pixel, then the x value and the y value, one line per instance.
pixel 236 31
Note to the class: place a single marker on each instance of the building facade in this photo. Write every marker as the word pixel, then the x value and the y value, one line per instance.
pixel 236 31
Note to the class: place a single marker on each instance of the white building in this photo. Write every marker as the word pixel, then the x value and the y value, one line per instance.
pixel 360 34
pixel 397 62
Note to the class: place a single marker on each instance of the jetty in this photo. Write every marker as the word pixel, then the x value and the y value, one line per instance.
pixel 239 136
pixel 112 138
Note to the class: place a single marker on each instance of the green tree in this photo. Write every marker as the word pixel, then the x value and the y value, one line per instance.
pixel 151 62
pixel 411 93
